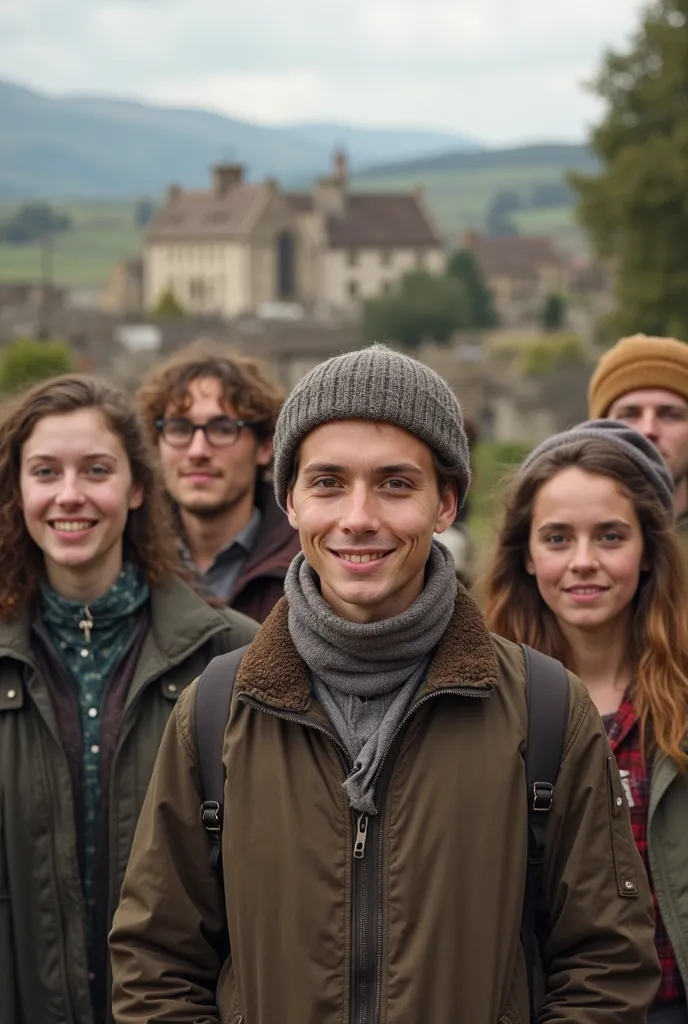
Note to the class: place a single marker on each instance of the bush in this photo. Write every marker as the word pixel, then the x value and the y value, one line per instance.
pixel 168 305
pixel 26 362
pixel 422 307
pixel 32 222
pixel 543 355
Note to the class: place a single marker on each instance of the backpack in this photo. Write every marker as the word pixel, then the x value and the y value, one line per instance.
pixel 547 702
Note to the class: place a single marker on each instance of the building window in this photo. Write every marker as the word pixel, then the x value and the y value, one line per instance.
pixel 353 289
pixel 197 290
pixel 352 257
pixel 386 257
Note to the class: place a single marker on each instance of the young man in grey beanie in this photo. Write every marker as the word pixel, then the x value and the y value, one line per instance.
pixel 374 844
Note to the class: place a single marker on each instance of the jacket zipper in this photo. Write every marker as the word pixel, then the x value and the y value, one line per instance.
pixel 366 874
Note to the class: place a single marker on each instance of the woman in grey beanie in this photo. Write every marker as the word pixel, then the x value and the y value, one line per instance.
pixel 586 569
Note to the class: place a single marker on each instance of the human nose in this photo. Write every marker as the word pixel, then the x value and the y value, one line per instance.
pixel 649 426
pixel 199 446
pixel 359 514
pixel 583 556
pixel 70 491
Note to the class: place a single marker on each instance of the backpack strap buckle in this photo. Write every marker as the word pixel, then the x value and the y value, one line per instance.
pixel 543 796
pixel 211 816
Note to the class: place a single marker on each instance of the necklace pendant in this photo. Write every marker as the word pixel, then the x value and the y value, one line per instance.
pixel 87 624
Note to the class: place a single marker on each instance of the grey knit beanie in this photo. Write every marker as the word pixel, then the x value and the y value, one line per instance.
pixel 374 383
pixel 631 442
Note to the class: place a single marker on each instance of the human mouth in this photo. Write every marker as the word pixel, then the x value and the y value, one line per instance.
pixel 360 557
pixel 583 594
pixel 72 525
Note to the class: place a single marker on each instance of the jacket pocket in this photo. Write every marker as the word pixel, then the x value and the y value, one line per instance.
pixel 623 845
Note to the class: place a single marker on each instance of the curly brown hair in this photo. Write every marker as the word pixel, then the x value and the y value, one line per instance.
pixel 149 537
pixel 658 638
pixel 246 386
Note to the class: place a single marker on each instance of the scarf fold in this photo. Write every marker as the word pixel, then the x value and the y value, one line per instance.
pixel 369 658
pixel 380 663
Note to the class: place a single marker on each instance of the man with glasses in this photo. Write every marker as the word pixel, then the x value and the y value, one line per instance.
pixel 211 417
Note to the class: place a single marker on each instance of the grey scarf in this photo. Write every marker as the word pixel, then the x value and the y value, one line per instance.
pixel 381 663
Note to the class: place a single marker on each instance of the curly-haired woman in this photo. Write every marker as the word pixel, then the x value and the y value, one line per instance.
pixel 98 636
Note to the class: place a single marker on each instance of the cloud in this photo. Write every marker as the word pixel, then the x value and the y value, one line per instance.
pixel 495 69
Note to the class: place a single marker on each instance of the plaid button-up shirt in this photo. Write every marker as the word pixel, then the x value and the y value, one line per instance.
pixel 623 731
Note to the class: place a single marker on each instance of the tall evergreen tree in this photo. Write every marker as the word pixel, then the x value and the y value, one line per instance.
pixel 636 208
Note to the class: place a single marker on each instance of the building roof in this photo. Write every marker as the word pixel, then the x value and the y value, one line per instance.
pixel 376 220
pixel 207 215
pixel 300 202
pixel 512 256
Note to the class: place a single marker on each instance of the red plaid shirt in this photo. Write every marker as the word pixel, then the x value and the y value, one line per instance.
pixel 623 730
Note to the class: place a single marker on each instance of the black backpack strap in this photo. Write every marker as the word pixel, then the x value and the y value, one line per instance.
pixel 547 699
pixel 211 713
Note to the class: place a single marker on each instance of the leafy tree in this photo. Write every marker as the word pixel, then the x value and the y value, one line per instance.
pixel 636 208
pixel 498 220
pixel 553 312
pixel 421 307
pixel 168 305
pixel 143 212
pixel 27 361
pixel 480 310
pixel 31 222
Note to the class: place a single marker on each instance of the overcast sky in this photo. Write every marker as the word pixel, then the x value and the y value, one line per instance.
pixel 499 70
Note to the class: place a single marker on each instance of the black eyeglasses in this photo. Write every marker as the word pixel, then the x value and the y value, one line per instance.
pixel 220 432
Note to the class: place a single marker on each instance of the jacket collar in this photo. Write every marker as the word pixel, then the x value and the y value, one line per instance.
pixel 181 622
pixel 273 673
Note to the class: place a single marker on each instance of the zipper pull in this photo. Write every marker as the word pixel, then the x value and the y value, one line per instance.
pixel 361 836
pixel 87 624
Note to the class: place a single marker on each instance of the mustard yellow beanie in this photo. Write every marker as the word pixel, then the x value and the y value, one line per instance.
pixel 634 363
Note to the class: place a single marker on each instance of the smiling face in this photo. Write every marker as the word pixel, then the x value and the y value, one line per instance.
pixel 205 480
pixel 76 494
pixel 585 549
pixel 366 503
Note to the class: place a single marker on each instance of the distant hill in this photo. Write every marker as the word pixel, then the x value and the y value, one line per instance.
pixel 461 186
pixel 373 145
pixel 555 155
pixel 95 148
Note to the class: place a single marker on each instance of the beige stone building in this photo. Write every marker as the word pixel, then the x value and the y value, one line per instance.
pixel 520 272
pixel 239 246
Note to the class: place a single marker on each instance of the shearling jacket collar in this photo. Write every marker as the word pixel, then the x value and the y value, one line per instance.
pixel 465 658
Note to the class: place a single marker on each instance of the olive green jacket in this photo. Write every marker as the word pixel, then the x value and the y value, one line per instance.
pixel 43 961
pixel 667 840
pixel 424 927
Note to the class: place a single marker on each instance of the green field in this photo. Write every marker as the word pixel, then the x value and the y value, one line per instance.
pixel 103 233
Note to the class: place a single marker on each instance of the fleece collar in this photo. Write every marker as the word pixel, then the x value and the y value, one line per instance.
pixel 272 672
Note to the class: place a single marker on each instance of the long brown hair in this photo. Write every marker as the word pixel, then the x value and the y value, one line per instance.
pixel 149 540
pixel 659 633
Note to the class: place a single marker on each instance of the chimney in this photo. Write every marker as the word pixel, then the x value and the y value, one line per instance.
pixel 173 192
pixel 226 177
pixel 340 165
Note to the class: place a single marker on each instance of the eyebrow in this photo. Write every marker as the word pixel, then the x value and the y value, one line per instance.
pixel 609 525
pixel 90 455
pixel 406 468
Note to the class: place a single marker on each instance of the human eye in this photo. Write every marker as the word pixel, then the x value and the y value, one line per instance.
pixel 42 472
pixel 396 484
pixel 177 429
pixel 99 470
pixel 325 483
pixel 611 537
pixel 554 540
